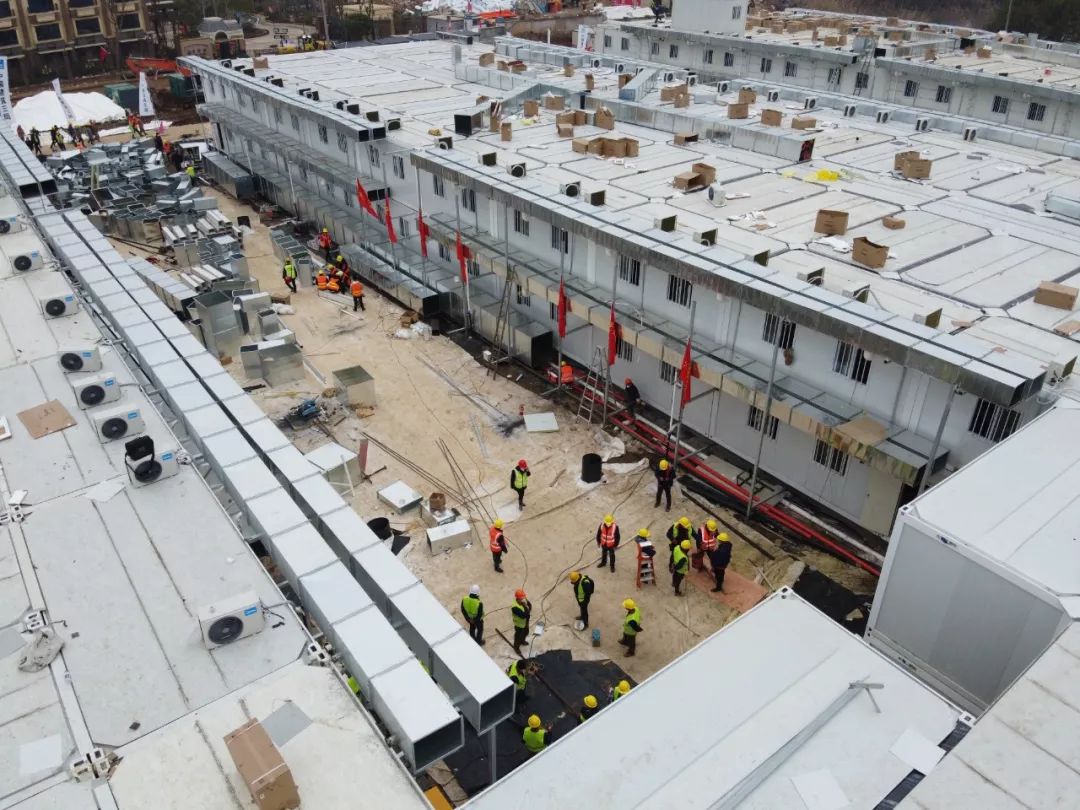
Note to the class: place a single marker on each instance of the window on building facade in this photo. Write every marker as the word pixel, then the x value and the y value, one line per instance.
pixel 668 372
pixel 468 199
pixel 399 166
pixel 850 361
pixel 911 89
pixel 350 198
pixel 342 142
pixel 607 40
pixel 736 13
pixel 791 69
pixel 523 298
pixel 831 457
pixel 9 37
pixel 444 252
pixel 862 80
pixel 624 44
pixel 473 266
pixel 708 56
pixel 553 311
pixel 373 156
pixel 624 350
pixel 40 6
pixel 774 327
pixel 766 65
pixel 835 75
pixel 729 60
pixel 295 121
pixel 324 136
pixel 754 417
pixel 402 228
pixel 673 51
pixel 128 22
pixel 87 25
pixel 654 48
pixel 944 94
pixel 630 270
pixel 438 186
pixel 679 290
pixel 560 238
pixel 1001 105
pixel 521 223
pixel 277 115
pixel 992 421
pixel 1036 112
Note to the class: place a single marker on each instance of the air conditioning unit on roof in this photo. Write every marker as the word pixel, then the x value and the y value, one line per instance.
pixel 715 194
pixel 11 224
pixel 883 116
pixel 117 422
pixel 31 260
pixel 98 390
pixel 59 306
pixel 83 359
pixel 231 620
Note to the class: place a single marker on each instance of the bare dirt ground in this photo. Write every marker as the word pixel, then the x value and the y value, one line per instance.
pixel 417 408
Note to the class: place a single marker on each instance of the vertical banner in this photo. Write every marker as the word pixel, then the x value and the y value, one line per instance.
pixel 5 91
pixel 146 102
pixel 68 114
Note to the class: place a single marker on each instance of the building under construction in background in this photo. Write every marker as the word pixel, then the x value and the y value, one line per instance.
pixel 850 318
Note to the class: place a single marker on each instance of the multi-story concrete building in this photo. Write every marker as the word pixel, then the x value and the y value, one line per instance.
pixel 879 378
pixel 47 38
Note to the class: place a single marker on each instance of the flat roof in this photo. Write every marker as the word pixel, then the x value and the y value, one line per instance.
pixel 693 732
pixel 1019 503
pixel 1023 752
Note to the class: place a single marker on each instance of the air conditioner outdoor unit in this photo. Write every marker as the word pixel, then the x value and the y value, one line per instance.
pixel 146 466
pixel 706 237
pixel 72 360
pixel 620 68
pixel 11 224
pixel 515 169
pixel 723 87
pixel 570 189
pixel 488 158
pixel 665 223
pixel 59 306
pixel 691 79
pixel 715 193
pixel 810 102
pixel 596 197
pixel 669 77
pixel 849 111
pixel 31 260
pixel 970 133
pixel 860 292
pixel 883 116
pixel 772 95
pixel 815 277
pixel 922 124
pixel 597 63
pixel 96 390
pixel 117 422
pixel 445 142
pixel 231 620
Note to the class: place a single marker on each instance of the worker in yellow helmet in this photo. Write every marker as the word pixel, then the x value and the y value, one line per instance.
pixel 497 543
pixel 607 538
pixel 536 736
pixel 665 477
pixel 681 529
pixel 621 688
pixel 717 546
pixel 680 565
pixel 589 707
pixel 631 626
pixel 583 591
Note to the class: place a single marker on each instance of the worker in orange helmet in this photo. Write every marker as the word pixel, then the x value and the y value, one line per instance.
pixel 521 611
pixel 632 397
pixel 519 481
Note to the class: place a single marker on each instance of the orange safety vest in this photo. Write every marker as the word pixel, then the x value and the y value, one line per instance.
pixel 708 539
pixel 357 289
pixel 607 535
pixel 333 286
pixel 494 536
pixel 321 281
pixel 566 374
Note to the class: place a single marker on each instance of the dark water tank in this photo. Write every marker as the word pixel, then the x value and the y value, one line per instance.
pixel 591 468
pixel 381 527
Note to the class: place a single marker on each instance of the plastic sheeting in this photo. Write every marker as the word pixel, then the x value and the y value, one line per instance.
pixel 43 110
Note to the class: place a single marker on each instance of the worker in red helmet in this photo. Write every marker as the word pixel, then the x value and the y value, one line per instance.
pixel 632 396
pixel 519 481
pixel 522 613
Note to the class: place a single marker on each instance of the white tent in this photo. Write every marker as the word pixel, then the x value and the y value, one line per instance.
pixel 43 110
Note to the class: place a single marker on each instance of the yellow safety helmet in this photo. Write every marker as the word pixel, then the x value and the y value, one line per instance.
pixel 684 522
pixel 534 721
pixel 664 464
pixel 642 532
pixel 711 524
pixel 575 576
pixel 685 545
pixel 339 258
pixel 628 604
pixel 498 524
pixel 624 687
pixel 723 538
pixel 324 230
pixel 609 519
pixel 590 701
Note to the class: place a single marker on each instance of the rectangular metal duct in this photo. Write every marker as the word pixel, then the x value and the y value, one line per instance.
pixel 382 575
pixel 480 690
pixel 299 552
pixel 331 595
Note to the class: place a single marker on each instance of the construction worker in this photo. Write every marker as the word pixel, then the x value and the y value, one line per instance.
pixel 621 688
pixel 344 265
pixel 334 284
pixel 322 281
pixel 607 538
pixel 535 736
pixel 191 171
pixel 473 611
pixel 680 565
pixel 519 672
pixel 357 290
pixel 566 373
pixel 632 396
pixel 680 530
pixel 325 242
pixel 521 611
pixel 497 543
pixel 589 707
pixel 288 274
pixel 519 481
pixel 719 559
pixel 631 627
pixel 665 477
pixel 583 591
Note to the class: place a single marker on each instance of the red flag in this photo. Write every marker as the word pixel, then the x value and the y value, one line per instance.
pixel 686 371
pixel 612 337
pixel 422 229
pixel 390 224
pixel 563 308
pixel 363 199
pixel 463 255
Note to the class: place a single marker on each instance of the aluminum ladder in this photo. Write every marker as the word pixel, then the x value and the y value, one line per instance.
pixel 590 387
pixel 501 322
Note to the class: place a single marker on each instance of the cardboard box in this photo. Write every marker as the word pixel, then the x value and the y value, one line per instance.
pixel 843 39
pixel 984 53
pixel 895 36
pixel 590 82
pixel 832 42
pixel 501 65
pixel 506 131
pixel 894 223
pixel 740 110
pixel 869 254
pixel 685 137
pixel 565 118
pixel 707 172
pixel 772 118
pixel 681 100
pixel 596 146
pixel 631 147
pixel 1060 296
pixel 831 223
pixel 554 102
pixel 41 420
pixel 892 22
pixel 900 158
pixel 624 79
pixel 747 96
pixel 668 93
pixel 604 118
pixel 517 66
pixel 1068 328
pixel 260 63
pixel 687 181
pixel 568 70
pixel 916 168
pixel 486 59
pixel 531 108
pixel 565 130
pixel 581 145
pixel 614 147
pixel 803 122
pixel 261 767
pixel 581 118
pixel 493 125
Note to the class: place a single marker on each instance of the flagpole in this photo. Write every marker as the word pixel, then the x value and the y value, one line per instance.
pixel 764 419
pixel 682 397
pixel 389 215
pixel 420 218
pixel 468 302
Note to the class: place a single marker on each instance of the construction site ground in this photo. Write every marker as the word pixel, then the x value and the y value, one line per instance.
pixel 417 408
